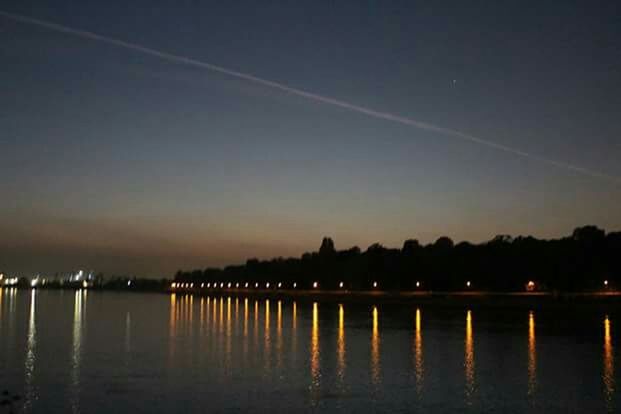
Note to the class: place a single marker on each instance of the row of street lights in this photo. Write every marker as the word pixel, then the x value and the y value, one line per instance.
pixel 247 285
pixel 530 285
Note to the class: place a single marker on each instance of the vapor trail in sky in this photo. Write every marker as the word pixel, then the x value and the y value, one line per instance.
pixel 308 95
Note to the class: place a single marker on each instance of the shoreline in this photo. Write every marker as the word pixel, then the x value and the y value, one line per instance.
pixel 433 298
pixel 446 299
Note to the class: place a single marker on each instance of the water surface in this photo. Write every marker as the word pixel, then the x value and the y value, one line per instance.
pixel 101 352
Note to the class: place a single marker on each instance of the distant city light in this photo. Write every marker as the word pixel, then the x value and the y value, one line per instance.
pixel 10 281
pixel 267 284
pixel 374 284
pixel 468 283
pixel 236 285
pixel 229 285
pixel 208 284
pixel 417 283
pixel 605 282
pixel 246 285
pixel 279 284
pixel 191 285
pixel 221 284
pixel 341 284
pixel 256 285
pixel 315 284
pixel 295 285
pixel 202 285
pixel 173 285
pixel 129 283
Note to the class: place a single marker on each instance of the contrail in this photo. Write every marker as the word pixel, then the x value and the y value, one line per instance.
pixel 308 95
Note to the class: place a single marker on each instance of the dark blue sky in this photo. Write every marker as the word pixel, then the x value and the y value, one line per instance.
pixel 123 162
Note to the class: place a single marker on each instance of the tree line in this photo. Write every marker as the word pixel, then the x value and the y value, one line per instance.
pixel 589 259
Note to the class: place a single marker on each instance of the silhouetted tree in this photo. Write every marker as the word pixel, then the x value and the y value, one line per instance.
pixel 578 262
pixel 327 247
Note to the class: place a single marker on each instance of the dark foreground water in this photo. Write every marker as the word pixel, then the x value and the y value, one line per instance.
pixel 102 352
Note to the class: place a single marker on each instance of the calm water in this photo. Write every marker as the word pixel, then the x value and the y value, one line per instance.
pixel 102 352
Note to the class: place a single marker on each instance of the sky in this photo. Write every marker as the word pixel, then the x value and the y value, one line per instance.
pixel 125 162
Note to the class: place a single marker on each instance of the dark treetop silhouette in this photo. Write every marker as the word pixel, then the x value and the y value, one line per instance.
pixel 586 260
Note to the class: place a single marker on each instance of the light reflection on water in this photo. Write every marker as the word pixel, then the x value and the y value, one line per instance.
pixel 30 393
pixel 608 371
pixel 267 345
pixel 323 355
pixel 340 348
pixel 418 354
pixel 532 357
pixel 469 360
pixel 79 311
pixel 278 350
pixel 375 349
pixel 314 355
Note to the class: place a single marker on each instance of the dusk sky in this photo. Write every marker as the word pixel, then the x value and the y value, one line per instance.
pixel 123 162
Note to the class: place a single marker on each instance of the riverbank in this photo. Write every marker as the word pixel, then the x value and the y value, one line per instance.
pixel 459 299
pixel 443 299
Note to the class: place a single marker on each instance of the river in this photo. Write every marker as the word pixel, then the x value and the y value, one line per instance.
pixel 105 352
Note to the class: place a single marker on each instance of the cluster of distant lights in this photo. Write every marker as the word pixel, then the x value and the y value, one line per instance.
pixel 38 281
pixel 8 281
